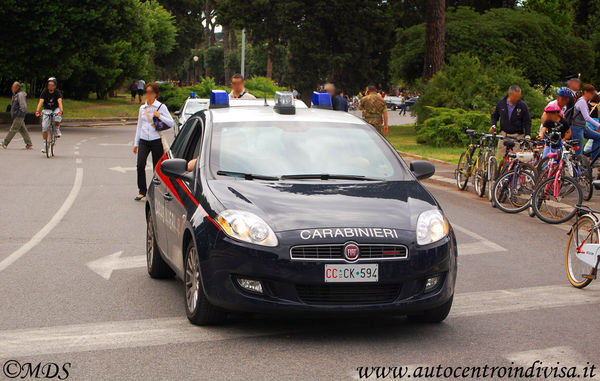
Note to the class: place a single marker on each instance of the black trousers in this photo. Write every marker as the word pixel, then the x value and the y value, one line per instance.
pixel 144 149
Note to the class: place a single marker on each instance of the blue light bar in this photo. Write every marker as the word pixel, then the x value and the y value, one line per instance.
pixel 192 95
pixel 219 99
pixel 321 100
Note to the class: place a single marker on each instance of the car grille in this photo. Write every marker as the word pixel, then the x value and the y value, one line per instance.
pixel 348 293
pixel 336 252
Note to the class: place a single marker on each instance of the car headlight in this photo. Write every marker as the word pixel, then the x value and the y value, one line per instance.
pixel 247 227
pixel 431 227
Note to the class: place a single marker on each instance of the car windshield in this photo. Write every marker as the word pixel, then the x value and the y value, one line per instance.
pixel 194 107
pixel 295 148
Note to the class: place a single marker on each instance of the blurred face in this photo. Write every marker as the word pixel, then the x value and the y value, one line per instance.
pixel 237 84
pixel 554 116
pixel 330 89
pixel 562 101
pixel 150 94
pixel 574 85
pixel 514 97
pixel 14 87
pixel 589 94
pixel 51 86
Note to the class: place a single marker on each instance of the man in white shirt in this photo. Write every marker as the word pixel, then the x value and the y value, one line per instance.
pixel 141 85
pixel 237 88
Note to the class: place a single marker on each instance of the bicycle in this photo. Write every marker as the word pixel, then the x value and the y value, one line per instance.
pixel 465 167
pixel 487 149
pixel 582 257
pixel 552 196
pixel 51 135
pixel 513 189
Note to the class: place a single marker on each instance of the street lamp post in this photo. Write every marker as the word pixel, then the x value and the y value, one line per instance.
pixel 195 58
pixel 243 60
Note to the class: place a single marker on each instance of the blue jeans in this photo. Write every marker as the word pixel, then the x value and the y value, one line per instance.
pixel 581 132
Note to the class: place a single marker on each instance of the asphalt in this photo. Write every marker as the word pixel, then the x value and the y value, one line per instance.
pixel 513 302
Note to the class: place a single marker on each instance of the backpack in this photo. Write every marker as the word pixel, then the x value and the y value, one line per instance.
pixel 570 113
pixel 133 86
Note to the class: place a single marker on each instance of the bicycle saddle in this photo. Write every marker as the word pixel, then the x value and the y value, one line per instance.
pixel 469 132
pixel 510 144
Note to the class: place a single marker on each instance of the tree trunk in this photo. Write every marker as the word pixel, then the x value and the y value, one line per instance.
pixel 435 36
pixel 234 43
pixel 225 32
pixel 269 60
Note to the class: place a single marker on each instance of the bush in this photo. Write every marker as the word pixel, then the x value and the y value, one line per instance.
pixel 258 86
pixel 468 84
pixel 445 127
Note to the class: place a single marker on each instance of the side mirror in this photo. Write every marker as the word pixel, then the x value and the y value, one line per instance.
pixel 177 113
pixel 422 169
pixel 177 169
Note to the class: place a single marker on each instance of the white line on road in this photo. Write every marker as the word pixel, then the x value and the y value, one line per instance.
pixel 127 169
pixel 76 153
pixel 482 245
pixel 39 236
pixel 78 161
pixel 116 144
pixel 521 299
pixel 566 356
pixel 106 265
pixel 150 332
pixel 119 334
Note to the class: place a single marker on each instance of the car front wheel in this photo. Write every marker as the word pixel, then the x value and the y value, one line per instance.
pixel 434 315
pixel 197 307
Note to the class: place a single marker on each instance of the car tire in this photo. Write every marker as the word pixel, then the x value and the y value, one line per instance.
pixel 157 267
pixel 198 309
pixel 434 315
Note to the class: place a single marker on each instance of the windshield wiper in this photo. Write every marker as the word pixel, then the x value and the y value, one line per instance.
pixel 327 176
pixel 247 176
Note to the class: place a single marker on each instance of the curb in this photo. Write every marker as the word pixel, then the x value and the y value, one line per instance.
pixel 424 158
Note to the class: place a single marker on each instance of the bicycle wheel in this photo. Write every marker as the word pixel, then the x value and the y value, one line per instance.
pixel 48 143
pixel 492 168
pixel 582 232
pixel 462 171
pixel 560 207
pixel 584 176
pixel 52 146
pixel 480 176
pixel 513 190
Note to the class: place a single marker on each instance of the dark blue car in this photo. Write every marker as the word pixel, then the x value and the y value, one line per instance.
pixel 290 209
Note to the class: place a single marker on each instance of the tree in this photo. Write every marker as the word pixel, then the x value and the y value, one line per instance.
pixel 435 33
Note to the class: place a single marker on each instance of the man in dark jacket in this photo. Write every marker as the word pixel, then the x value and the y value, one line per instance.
pixel 514 118
pixel 337 101
pixel 18 110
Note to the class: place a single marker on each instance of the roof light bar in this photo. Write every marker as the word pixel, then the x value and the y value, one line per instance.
pixel 219 99
pixel 284 103
pixel 321 100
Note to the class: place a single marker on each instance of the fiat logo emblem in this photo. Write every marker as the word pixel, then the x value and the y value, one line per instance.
pixel 351 252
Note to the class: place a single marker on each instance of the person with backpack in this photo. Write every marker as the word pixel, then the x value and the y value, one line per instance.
pixel 134 89
pixel 578 116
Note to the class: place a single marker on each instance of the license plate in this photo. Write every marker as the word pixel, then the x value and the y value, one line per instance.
pixel 352 273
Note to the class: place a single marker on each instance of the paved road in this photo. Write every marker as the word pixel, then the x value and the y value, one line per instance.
pixel 68 221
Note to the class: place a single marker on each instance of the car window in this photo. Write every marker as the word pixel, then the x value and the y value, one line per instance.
pixel 192 149
pixel 179 144
pixel 193 107
pixel 297 148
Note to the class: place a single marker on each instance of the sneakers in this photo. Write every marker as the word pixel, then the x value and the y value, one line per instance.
pixel 44 146
pixel 58 134
pixel 4 145
pixel 28 146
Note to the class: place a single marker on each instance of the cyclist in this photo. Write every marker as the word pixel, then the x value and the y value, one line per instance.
pixel 563 101
pixel 51 98
pixel 554 120
pixel 581 116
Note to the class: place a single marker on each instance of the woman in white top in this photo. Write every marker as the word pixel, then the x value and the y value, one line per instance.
pixel 147 139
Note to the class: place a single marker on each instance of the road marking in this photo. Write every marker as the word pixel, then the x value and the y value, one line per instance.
pixel 566 356
pixel 443 179
pixel 76 153
pixel 106 265
pixel 116 144
pixel 482 245
pixel 521 299
pixel 78 161
pixel 58 216
pixel 127 169
pixel 118 334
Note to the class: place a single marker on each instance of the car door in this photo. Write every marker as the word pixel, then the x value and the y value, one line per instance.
pixel 182 204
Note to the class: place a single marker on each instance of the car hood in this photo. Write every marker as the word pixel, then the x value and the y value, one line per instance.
pixel 310 205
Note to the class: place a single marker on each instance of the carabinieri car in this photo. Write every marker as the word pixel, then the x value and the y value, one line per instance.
pixel 291 209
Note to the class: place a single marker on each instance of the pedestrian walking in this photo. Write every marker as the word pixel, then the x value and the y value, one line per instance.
pixel 18 110
pixel 134 90
pixel 147 138
pixel 374 109
pixel 513 114
pixel 141 85
pixel 338 102
pixel 237 88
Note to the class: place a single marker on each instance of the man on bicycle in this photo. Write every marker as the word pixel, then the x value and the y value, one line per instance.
pixel 51 98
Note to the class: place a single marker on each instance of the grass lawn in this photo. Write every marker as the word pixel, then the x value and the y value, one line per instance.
pixel 404 138
pixel 92 108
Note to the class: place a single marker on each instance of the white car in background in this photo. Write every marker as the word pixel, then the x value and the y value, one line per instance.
pixel 189 108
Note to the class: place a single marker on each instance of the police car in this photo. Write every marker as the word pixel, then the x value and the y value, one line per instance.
pixel 191 106
pixel 291 209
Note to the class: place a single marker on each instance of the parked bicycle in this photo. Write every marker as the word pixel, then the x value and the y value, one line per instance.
pixel 466 163
pixel 487 149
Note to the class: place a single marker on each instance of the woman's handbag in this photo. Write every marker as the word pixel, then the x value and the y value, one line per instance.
pixel 159 124
pixel 163 140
